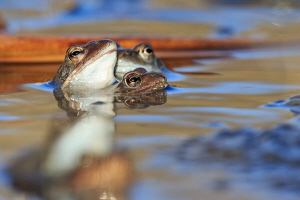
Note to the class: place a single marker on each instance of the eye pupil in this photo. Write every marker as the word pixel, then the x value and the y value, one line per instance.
pixel 75 53
pixel 133 79
pixel 149 50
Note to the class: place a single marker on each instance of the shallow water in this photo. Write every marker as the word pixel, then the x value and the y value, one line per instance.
pixel 199 104
pixel 233 94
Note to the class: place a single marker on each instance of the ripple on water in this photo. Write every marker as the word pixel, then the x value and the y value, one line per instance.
pixel 4 117
pixel 248 88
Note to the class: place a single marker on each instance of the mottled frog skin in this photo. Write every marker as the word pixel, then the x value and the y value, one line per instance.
pixel 142 55
pixel 88 66
pixel 139 80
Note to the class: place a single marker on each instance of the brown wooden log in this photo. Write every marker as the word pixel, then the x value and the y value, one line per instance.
pixel 46 49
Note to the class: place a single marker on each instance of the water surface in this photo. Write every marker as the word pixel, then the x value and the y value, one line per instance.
pixel 230 93
pixel 198 105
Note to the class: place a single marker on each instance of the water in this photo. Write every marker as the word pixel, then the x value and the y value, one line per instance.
pixel 232 96
pixel 199 105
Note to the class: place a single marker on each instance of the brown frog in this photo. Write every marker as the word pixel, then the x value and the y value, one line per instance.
pixel 142 55
pixel 139 80
pixel 88 66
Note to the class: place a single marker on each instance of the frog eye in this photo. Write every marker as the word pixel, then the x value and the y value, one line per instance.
pixel 147 53
pixel 76 52
pixel 133 102
pixel 132 80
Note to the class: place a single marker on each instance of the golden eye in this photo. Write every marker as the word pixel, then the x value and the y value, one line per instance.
pixel 76 54
pixel 133 81
pixel 147 53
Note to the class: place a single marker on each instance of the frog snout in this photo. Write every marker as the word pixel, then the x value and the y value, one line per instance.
pixel 162 80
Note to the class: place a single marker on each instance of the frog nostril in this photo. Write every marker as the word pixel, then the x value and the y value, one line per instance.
pixel 127 53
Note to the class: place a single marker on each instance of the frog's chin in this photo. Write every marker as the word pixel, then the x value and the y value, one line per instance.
pixel 96 75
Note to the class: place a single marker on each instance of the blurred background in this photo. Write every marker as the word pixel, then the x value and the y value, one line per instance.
pixel 258 19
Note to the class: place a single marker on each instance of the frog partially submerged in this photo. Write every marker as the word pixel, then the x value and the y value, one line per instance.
pixel 91 66
pixel 88 66
pixel 138 84
pixel 139 80
pixel 142 55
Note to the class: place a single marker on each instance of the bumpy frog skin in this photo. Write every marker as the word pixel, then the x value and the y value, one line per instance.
pixel 140 80
pixel 88 66
pixel 142 55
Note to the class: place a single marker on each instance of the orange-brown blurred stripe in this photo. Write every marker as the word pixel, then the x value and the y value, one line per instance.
pixel 45 49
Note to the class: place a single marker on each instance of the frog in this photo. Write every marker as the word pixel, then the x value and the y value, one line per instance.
pixel 142 55
pixel 136 87
pixel 141 81
pixel 87 66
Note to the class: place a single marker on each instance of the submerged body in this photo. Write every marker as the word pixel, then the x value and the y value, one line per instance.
pixel 142 55
pixel 88 66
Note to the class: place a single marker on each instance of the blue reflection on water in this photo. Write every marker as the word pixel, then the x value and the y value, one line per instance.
pixel 198 116
pixel 40 86
pixel 267 53
pixel 249 88
pixel 145 118
pixel 142 141
pixel 228 20
pixel 224 110
pixel 4 117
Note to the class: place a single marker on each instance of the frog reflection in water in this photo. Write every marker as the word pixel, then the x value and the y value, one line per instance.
pixel 142 55
pixel 87 66
pixel 99 168
pixel 79 159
